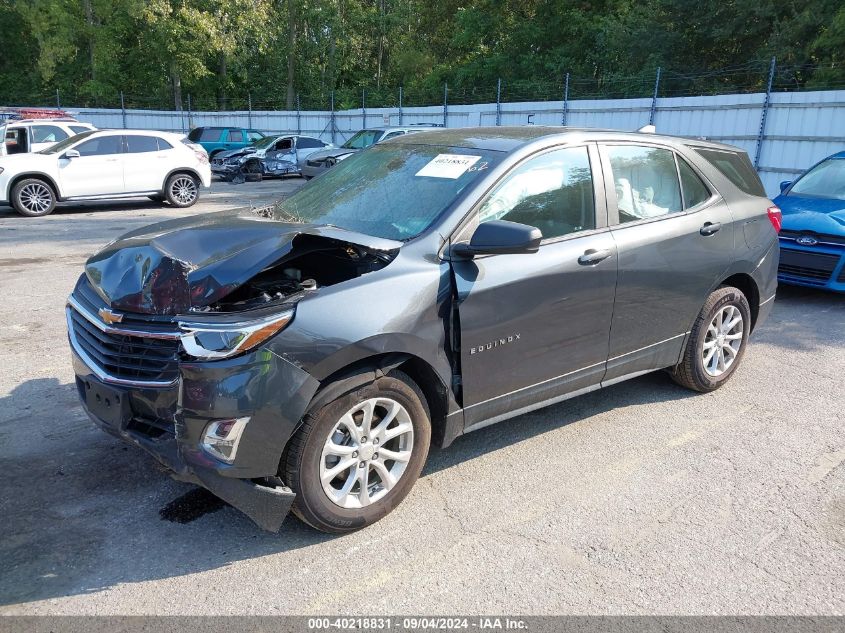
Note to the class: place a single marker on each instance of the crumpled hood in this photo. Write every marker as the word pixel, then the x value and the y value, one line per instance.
pixel 332 152
pixel 181 265
pixel 819 215
pixel 231 153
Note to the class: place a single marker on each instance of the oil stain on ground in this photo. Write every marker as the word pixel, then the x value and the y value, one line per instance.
pixel 191 506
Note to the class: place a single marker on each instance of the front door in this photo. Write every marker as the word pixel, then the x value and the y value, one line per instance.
pixel 98 170
pixel 674 236
pixel 534 327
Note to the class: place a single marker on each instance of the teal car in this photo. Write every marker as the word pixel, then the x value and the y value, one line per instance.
pixel 222 139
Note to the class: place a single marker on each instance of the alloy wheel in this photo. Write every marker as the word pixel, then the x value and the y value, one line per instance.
pixel 36 198
pixel 184 190
pixel 366 452
pixel 722 341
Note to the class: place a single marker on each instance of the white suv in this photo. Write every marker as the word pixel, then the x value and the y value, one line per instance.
pixel 33 135
pixel 102 165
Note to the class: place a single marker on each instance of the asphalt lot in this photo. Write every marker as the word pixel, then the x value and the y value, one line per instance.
pixel 642 498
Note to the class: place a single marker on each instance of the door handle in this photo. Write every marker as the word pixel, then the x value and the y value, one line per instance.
pixel 710 228
pixel 592 256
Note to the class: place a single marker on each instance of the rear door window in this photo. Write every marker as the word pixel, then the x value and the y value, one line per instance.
pixel 645 180
pixel 736 167
pixel 136 144
pixel 306 142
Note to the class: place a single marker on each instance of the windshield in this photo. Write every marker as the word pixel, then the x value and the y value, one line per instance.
pixel 363 139
pixel 63 145
pixel 265 142
pixel 391 191
pixel 825 180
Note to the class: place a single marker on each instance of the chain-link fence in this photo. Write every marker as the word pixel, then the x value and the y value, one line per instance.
pixel 750 77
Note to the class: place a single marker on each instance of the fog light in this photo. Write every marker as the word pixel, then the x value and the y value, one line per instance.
pixel 221 438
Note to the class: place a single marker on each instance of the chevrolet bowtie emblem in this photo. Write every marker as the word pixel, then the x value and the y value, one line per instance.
pixel 110 317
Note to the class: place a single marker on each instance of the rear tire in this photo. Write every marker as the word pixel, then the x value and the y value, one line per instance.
pixel 717 341
pixel 33 197
pixel 398 427
pixel 181 190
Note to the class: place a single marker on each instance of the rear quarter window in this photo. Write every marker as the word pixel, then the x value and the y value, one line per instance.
pixel 205 134
pixel 736 167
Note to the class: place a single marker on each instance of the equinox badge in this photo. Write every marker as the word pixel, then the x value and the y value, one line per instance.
pixel 497 343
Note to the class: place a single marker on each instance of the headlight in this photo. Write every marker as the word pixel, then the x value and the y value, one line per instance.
pixel 209 341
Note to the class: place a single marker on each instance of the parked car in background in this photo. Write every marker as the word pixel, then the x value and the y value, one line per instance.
pixel 221 139
pixel 320 161
pixel 293 149
pixel 105 165
pixel 23 136
pixel 813 237
pixel 311 352
pixel 284 153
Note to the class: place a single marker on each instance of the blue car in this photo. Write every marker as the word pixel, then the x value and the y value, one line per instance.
pixel 812 240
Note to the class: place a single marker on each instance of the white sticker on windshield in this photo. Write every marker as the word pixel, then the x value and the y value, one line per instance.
pixel 448 166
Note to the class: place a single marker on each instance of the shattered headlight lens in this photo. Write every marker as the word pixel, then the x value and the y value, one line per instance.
pixel 211 341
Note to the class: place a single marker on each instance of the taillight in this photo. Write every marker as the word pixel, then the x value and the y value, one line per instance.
pixel 775 217
pixel 201 156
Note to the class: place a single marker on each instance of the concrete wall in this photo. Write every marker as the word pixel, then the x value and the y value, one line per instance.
pixel 801 127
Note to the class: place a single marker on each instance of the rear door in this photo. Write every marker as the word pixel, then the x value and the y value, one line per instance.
pixel 235 139
pixel 535 326
pixel 146 162
pixel 97 171
pixel 674 244
pixel 305 146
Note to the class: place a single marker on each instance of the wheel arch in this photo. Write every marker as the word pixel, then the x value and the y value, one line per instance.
pixel 180 170
pixel 746 284
pixel 364 370
pixel 33 174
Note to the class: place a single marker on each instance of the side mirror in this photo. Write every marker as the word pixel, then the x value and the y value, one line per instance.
pixel 785 185
pixel 71 153
pixel 500 237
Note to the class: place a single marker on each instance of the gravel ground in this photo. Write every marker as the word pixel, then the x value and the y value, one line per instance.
pixel 641 498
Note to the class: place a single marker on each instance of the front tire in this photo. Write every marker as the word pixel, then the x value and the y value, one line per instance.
pixel 717 341
pixel 355 459
pixel 181 190
pixel 33 197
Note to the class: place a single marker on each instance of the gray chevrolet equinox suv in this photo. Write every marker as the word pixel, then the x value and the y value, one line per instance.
pixel 306 355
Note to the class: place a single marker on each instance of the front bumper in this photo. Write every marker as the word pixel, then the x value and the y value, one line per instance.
pixel 169 422
pixel 224 170
pixel 820 266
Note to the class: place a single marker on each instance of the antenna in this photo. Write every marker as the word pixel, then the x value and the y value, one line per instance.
pixel 647 129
